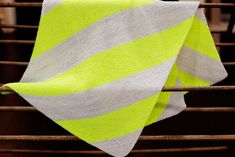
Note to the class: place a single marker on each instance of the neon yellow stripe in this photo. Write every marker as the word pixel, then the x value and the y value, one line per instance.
pixel 200 40
pixel 187 79
pixel 164 97
pixel 159 107
pixel 190 80
pixel 113 124
pixel 105 125
pixel 133 116
pixel 114 64
pixel 62 22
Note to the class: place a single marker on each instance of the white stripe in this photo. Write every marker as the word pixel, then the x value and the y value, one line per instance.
pixel 49 4
pixel 200 15
pixel 120 146
pixel 117 29
pixel 200 65
pixel 105 98
pixel 175 105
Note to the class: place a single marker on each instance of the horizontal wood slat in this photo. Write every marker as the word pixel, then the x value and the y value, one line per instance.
pixel 163 150
pixel 142 138
pixel 17 63
pixel 229 63
pixel 18 26
pixel 17 41
pixel 189 109
pixel 38 4
pixel 32 42
pixel 36 27
pixel 171 89
pixel 224 44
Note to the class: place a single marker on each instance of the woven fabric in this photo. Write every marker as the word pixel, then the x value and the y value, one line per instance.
pixel 98 66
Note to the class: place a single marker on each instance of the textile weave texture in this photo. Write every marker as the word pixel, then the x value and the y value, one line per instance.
pixel 98 66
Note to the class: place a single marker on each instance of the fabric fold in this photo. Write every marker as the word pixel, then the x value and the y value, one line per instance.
pixel 98 66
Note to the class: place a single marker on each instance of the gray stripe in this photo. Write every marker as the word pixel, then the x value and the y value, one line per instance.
pixel 49 4
pixel 200 65
pixel 117 29
pixel 119 147
pixel 175 105
pixel 105 98
pixel 200 15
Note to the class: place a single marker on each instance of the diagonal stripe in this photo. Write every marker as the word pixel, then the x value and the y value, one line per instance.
pixel 113 64
pixel 62 22
pixel 191 80
pixel 119 28
pixel 164 97
pixel 175 104
pixel 104 127
pixel 120 146
pixel 106 98
pixel 73 125
pixel 201 16
pixel 200 39
pixel 207 68
pixel 49 4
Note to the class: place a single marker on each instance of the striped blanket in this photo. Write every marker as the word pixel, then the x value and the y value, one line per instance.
pixel 98 66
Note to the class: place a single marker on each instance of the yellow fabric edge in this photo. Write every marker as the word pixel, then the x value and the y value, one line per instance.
pixel 129 116
pixel 200 40
pixel 164 97
pixel 104 127
pixel 191 80
pixel 185 79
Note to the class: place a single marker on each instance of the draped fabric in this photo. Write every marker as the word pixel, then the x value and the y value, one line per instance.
pixel 98 66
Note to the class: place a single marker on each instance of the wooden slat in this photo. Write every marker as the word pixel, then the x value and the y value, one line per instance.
pixel 222 30
pixel 16 63
pixel 162 150
pixel 30 42
pixel 17 109
pixel 18 26
pixel 189 109
pixel 188 138
pixel 17 42
pixel 170 89
pixel 142 138
pixel 229 63
pixel 224 44
pixel 211 88
pixel 210 109
pixel 38 4
pixel 20 4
